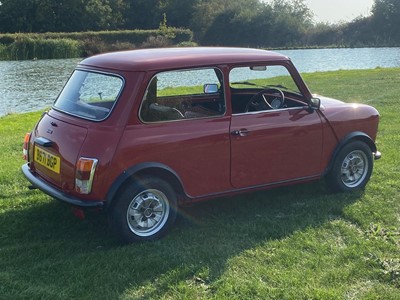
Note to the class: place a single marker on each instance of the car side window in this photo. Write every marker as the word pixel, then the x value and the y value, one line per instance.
pixel 263 88
pixel 183 94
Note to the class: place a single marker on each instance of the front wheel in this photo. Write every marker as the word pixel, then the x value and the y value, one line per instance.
pixel 145 210
pixel 352 168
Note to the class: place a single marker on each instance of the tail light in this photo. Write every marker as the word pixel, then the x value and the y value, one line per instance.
pixel 85 169
pixel 26 146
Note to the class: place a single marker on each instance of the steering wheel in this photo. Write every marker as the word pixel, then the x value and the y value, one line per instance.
pixel 259 101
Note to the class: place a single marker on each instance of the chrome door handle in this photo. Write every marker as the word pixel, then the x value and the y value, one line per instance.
pixel 241 132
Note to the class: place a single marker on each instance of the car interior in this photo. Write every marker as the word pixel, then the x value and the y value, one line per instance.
pixel 166 108
pixel 246 97
pixel 256 100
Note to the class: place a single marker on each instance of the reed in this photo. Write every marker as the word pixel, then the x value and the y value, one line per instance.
pixel 20 46
pixel 32 48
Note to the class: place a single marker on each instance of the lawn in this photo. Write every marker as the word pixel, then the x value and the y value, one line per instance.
pixel 289 243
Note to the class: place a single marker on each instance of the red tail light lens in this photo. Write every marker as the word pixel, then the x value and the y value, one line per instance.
pixel 85 169
pixel 26 146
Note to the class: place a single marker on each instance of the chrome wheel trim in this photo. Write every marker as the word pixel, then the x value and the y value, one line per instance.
pixel 354 168
pixel 148 212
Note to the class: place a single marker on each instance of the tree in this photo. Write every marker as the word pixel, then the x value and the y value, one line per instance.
pixel 242 23
pixel 104 14
pixel 16 15
pixel 142 14
pixel 386 20
pixel 60 15
pixel 292 18
pixel 179 12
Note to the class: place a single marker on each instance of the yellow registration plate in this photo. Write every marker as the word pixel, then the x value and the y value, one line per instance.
pixel 48 160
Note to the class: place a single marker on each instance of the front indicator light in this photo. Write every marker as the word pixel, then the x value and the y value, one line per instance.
pixel 85 169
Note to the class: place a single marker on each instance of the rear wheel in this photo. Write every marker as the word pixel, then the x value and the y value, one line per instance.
pixel 145 210
pixel 352 168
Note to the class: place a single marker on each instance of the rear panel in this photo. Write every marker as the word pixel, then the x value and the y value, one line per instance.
pixel 54 150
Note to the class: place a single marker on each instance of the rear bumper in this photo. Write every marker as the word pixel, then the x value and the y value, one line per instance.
pixel 40 184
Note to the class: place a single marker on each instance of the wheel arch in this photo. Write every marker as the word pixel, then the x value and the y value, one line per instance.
pixel 146 170
pixel 354 136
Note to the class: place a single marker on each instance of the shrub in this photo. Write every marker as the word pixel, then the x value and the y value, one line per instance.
pixel 77 44
pixel 159 41
pixel 4 55
pixel 26 47
pixel 95 46
pixel 187 44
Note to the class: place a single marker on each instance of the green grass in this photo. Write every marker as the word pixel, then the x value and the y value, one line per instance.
pixel 291 243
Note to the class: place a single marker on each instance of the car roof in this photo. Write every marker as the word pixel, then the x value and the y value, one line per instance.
pixel 173 58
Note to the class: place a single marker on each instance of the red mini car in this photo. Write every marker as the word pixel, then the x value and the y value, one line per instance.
pixel 140 133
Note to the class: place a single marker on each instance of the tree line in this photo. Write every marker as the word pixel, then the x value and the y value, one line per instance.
pixel 254 23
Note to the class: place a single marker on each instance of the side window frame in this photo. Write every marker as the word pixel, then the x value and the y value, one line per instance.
pixel 185 106
pixel 301 103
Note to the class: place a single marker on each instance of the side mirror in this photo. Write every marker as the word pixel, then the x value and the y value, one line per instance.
pixel 314 104
pixel 210 88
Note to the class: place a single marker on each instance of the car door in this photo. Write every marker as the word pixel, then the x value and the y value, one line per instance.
pixel 275 146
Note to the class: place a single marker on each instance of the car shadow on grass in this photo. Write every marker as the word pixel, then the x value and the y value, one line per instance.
pixel 45 243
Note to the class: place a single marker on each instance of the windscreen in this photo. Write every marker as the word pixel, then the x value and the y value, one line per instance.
pixel 89 95
pixel 275 76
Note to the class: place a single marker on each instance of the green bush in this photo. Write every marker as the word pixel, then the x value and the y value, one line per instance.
pixel 26 47
pixel 3 52
pixel 176 35
pixel 20 46
pixel 187 44
pixel 158 41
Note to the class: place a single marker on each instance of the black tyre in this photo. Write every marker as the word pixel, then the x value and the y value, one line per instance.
pixel 352 168
pixel 145 210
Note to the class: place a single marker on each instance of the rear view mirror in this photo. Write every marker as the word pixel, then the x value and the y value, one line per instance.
pixel 210 88
pixel 258 68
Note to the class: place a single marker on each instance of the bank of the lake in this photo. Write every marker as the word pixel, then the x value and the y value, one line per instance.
pixel 32 85
pixel 293 243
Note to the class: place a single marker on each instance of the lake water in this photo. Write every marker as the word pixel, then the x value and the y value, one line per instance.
pixel 33 85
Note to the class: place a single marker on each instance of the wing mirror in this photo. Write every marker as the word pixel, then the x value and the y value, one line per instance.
pixel 314 104
pixel 210 88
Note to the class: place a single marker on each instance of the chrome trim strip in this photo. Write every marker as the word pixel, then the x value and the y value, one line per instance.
pixel 92 171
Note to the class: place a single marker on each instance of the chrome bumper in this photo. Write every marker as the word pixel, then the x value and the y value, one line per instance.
pixel 377 155
pixel 55 193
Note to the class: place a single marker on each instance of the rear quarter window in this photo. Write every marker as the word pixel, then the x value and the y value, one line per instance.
pixel 90 95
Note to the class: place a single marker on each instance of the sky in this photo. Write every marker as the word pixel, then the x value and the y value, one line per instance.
pixel 335 11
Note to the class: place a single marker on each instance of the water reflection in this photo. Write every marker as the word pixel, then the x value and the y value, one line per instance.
pixel 33 85
pixel 312 60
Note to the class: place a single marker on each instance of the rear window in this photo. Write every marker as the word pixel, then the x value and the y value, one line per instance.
pixel 89 95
